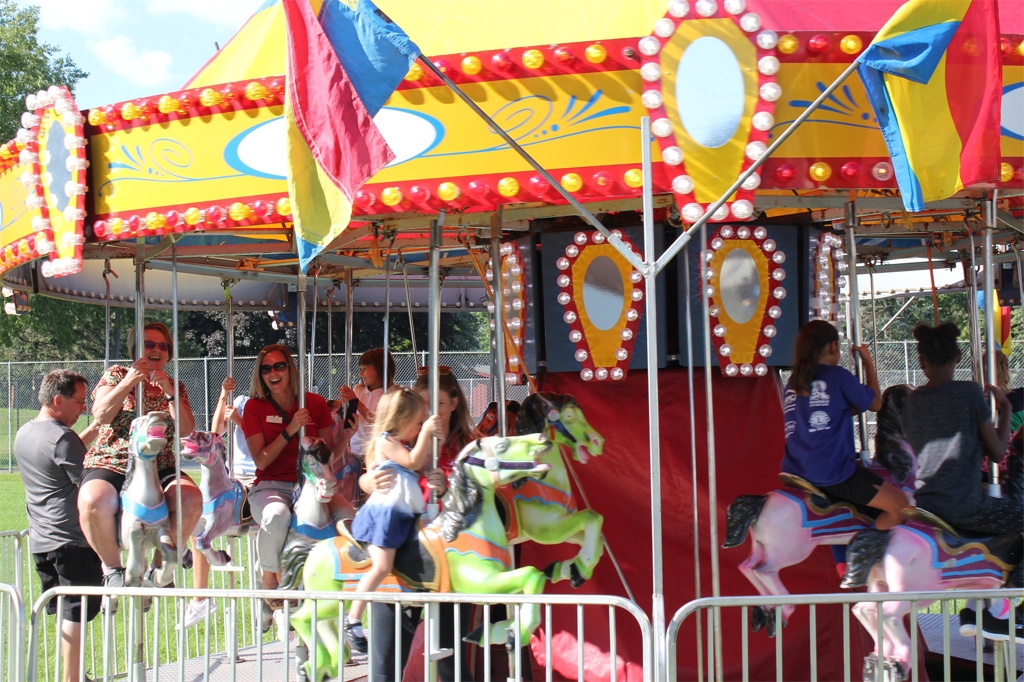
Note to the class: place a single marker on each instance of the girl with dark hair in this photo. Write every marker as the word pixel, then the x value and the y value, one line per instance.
pixel 948 423
pixel 368 393
pixel 820 399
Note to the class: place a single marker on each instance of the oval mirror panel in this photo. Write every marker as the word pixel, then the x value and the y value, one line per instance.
pixel 740 286
pixel 710 92
pixel 55 166
pixel 603 293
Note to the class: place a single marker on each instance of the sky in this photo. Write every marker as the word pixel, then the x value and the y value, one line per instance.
pixel 137 48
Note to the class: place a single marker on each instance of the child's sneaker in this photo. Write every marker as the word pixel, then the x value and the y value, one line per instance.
pixel 355 638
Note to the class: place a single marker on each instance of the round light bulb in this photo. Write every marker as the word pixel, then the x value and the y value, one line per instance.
pixel 761 370
pixel 775 312
pixel 750 22
pixel 562 263
pixel 621 354
pixel 767 40
pixel 719 330
pixel 617 373
pixel 649 46
pixel 731 370
pixel 755 150
pixel 569 317
pixel 770 91
pixel 779 293
pixel 763 120
pixel 769 331
pixel 768 65
pixel 601 374
pixel 673 156
pixel 587 374
pixel 582 355
pixel 626 334
pixel 725 350
pixel 575 336
pixel 742 209
pixel 564 298
pixel 632 315
pixel 743 233
pixel 661 127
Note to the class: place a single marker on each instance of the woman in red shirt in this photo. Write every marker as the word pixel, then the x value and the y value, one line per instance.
pixel 273 425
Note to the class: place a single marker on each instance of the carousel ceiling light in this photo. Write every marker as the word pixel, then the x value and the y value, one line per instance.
pixel 784 173
pixel 706 8
pixel 673 156
pixel 391 196
pixel 751 183
pixel 649 46
pixel 471 65
pixel 564 55
pixel 818 44
pixel 572 182
pixel 256 91
pixel 734 7
pixel 1005 172
pixel 419 194
pixel 664 27
pixel 820 171
pixel 770 91
pixel 662 127
pixel 501 61
pixel 415 73
pixel 851 44
pixel 750 22
pixel 596 53
pixel 755 150
pixel 508 187
pixel 850 170
pixel 768 65
pixel 788 44
pixel 651 73
pixel 679 9
pixel 691 213
pixel 682 184
pixel 651 99
pixel 533 59
pixel 767 40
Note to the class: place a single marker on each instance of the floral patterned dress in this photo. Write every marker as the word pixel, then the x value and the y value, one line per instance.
pixel 110 450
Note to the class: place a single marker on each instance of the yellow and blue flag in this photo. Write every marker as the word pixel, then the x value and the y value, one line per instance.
pixel 344 62
pixel 934 79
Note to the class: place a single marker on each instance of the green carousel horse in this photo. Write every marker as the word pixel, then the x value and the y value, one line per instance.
pixel 545 511
pixel 465 550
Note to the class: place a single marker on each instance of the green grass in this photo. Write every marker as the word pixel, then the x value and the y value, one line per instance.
pixel 10 422
pixel 13 517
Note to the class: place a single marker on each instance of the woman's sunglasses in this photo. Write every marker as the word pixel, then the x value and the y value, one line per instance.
pixel 276 367
pixel 150 345
pixel 425 371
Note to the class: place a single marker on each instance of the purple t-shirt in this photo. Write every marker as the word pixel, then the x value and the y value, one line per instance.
pixel 819 428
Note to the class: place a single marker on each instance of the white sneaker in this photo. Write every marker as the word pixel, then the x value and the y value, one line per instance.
pixel 195 612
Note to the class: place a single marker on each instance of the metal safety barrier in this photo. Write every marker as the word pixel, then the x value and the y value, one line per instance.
pixel 155 650
pixel 12 633
pixel 13 552
pixel 710 609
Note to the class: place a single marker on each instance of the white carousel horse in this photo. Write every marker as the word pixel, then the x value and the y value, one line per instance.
pixel 145 523
pixel 224 508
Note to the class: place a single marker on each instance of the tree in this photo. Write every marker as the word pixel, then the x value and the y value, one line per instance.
pixel 27 65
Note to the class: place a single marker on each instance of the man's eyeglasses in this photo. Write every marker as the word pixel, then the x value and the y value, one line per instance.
pixel 276 367
pixel 425 371
pixel 150 345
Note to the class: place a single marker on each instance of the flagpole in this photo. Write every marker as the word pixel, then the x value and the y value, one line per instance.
pixel 682 239
pixel 615 240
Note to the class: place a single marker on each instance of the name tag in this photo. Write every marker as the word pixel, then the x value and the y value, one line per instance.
pixel 274 419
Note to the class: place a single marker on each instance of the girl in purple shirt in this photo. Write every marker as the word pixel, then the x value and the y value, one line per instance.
pixel 817 405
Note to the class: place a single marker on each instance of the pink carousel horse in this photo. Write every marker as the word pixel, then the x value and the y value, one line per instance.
pixel 786 525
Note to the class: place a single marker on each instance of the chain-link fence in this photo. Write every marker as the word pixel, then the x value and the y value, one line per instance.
pixel 203 376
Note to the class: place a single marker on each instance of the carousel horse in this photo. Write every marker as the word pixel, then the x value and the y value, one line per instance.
pixel 923 554
pixel 224 500
pixel 145 522
pixel 464 550
pixel 545 511
pixel 488 424
pixel 786 525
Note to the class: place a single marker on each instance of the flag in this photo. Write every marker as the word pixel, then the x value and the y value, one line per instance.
pixel 934 79
pixel 343 63
pixel 1002 322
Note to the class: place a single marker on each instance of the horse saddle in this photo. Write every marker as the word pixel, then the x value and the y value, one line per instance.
pixel 414 562
pixel 1005 548
pixel 820 499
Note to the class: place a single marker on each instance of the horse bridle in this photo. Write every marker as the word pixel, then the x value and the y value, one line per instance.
pixel 492 463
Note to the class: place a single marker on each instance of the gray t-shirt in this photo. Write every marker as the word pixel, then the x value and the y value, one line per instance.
pixel 50 457
pixel 943 426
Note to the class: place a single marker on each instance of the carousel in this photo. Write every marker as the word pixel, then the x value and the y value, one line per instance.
pixel 662 285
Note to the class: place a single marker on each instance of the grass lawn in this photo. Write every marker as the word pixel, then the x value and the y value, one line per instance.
pixel 12 503
pixel 10 422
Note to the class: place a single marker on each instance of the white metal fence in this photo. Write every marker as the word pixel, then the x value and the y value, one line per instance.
pixel 203 376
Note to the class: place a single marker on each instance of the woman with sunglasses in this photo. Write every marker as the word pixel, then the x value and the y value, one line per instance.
pixel 273 426
pixel 106 462
pixel 456 433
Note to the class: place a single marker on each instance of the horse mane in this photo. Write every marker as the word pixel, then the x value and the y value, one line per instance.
pixel 464 500
pixel 533 414
pixel 891 448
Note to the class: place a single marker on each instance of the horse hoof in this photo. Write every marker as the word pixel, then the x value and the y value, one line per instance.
pixel 893 671
pixel 577 578
pixel 769 625
pixel 510 641
pixel 870 664
pixel 549 571
pixel 475 637
pixel 757 618
pixel 186 559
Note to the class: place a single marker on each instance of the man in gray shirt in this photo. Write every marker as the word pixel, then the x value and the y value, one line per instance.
pixel 50 457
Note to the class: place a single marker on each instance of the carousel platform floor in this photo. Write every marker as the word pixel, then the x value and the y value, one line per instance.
pixel 962 648
pixel 247 667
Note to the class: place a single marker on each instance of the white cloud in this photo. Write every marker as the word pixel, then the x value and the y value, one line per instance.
pixel 93 17
pixel 147 68
pixel 228 13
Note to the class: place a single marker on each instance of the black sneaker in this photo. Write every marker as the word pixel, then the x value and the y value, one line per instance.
pixel 355 638
pixel 998 629
pixel 968 622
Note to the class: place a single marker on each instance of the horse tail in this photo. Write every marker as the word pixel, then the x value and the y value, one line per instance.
pixel 864 551
pixel 743 511
pixel 293 560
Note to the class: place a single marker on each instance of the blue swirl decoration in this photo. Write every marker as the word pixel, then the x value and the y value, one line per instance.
pixel 532 120
pixel 165 160
pixel 835 111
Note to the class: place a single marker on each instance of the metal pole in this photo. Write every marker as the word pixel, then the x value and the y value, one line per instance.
pixel 312 337
pixel 139 666
pixel 500 397
pixel 348 326
pixel 387 313
pixel 972 314
pixel 300 325
pixel 230 353
pixel 854 316
pixel 716 621
pixel 990 336
pixel 693 451
pixel 615 240
pixel 681 241
pixel 408 307
pixel 330 342
pixel 177 412
pixel 106 318
pixel 434 348
pixel 654 434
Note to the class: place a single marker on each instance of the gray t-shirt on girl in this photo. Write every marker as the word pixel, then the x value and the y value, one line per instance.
pixel 943 426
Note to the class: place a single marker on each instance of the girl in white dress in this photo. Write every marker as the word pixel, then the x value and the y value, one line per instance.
pixel 401 441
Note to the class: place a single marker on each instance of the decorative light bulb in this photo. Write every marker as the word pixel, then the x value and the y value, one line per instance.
pixel 763 120
pixel 582 355
pixel 755 150
pixel 632 315
pixel 601 374
pixel 768 65
pixel 564 298
pixel 626 334
pixel 587 374
pixel 563 280
pixel 725 350
pixel 778 258
pixel 731 370
pixel 726 232
pixel 661 127
pixel 562 263
pixel 569 317
pixel 621 354
pixel 770 91
pixel 767 40
pixel 768 245
pixel 649 46
pixel 682 184
pixel 651 99
pixel 775 312
pixel 769 331
pixel 673 156
pixel 778 274
pixel 572 251
pixel 691 213
pixel 637 295
pixel 651 72
pixel 719 330
pixel 779 293
pixel 742 209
